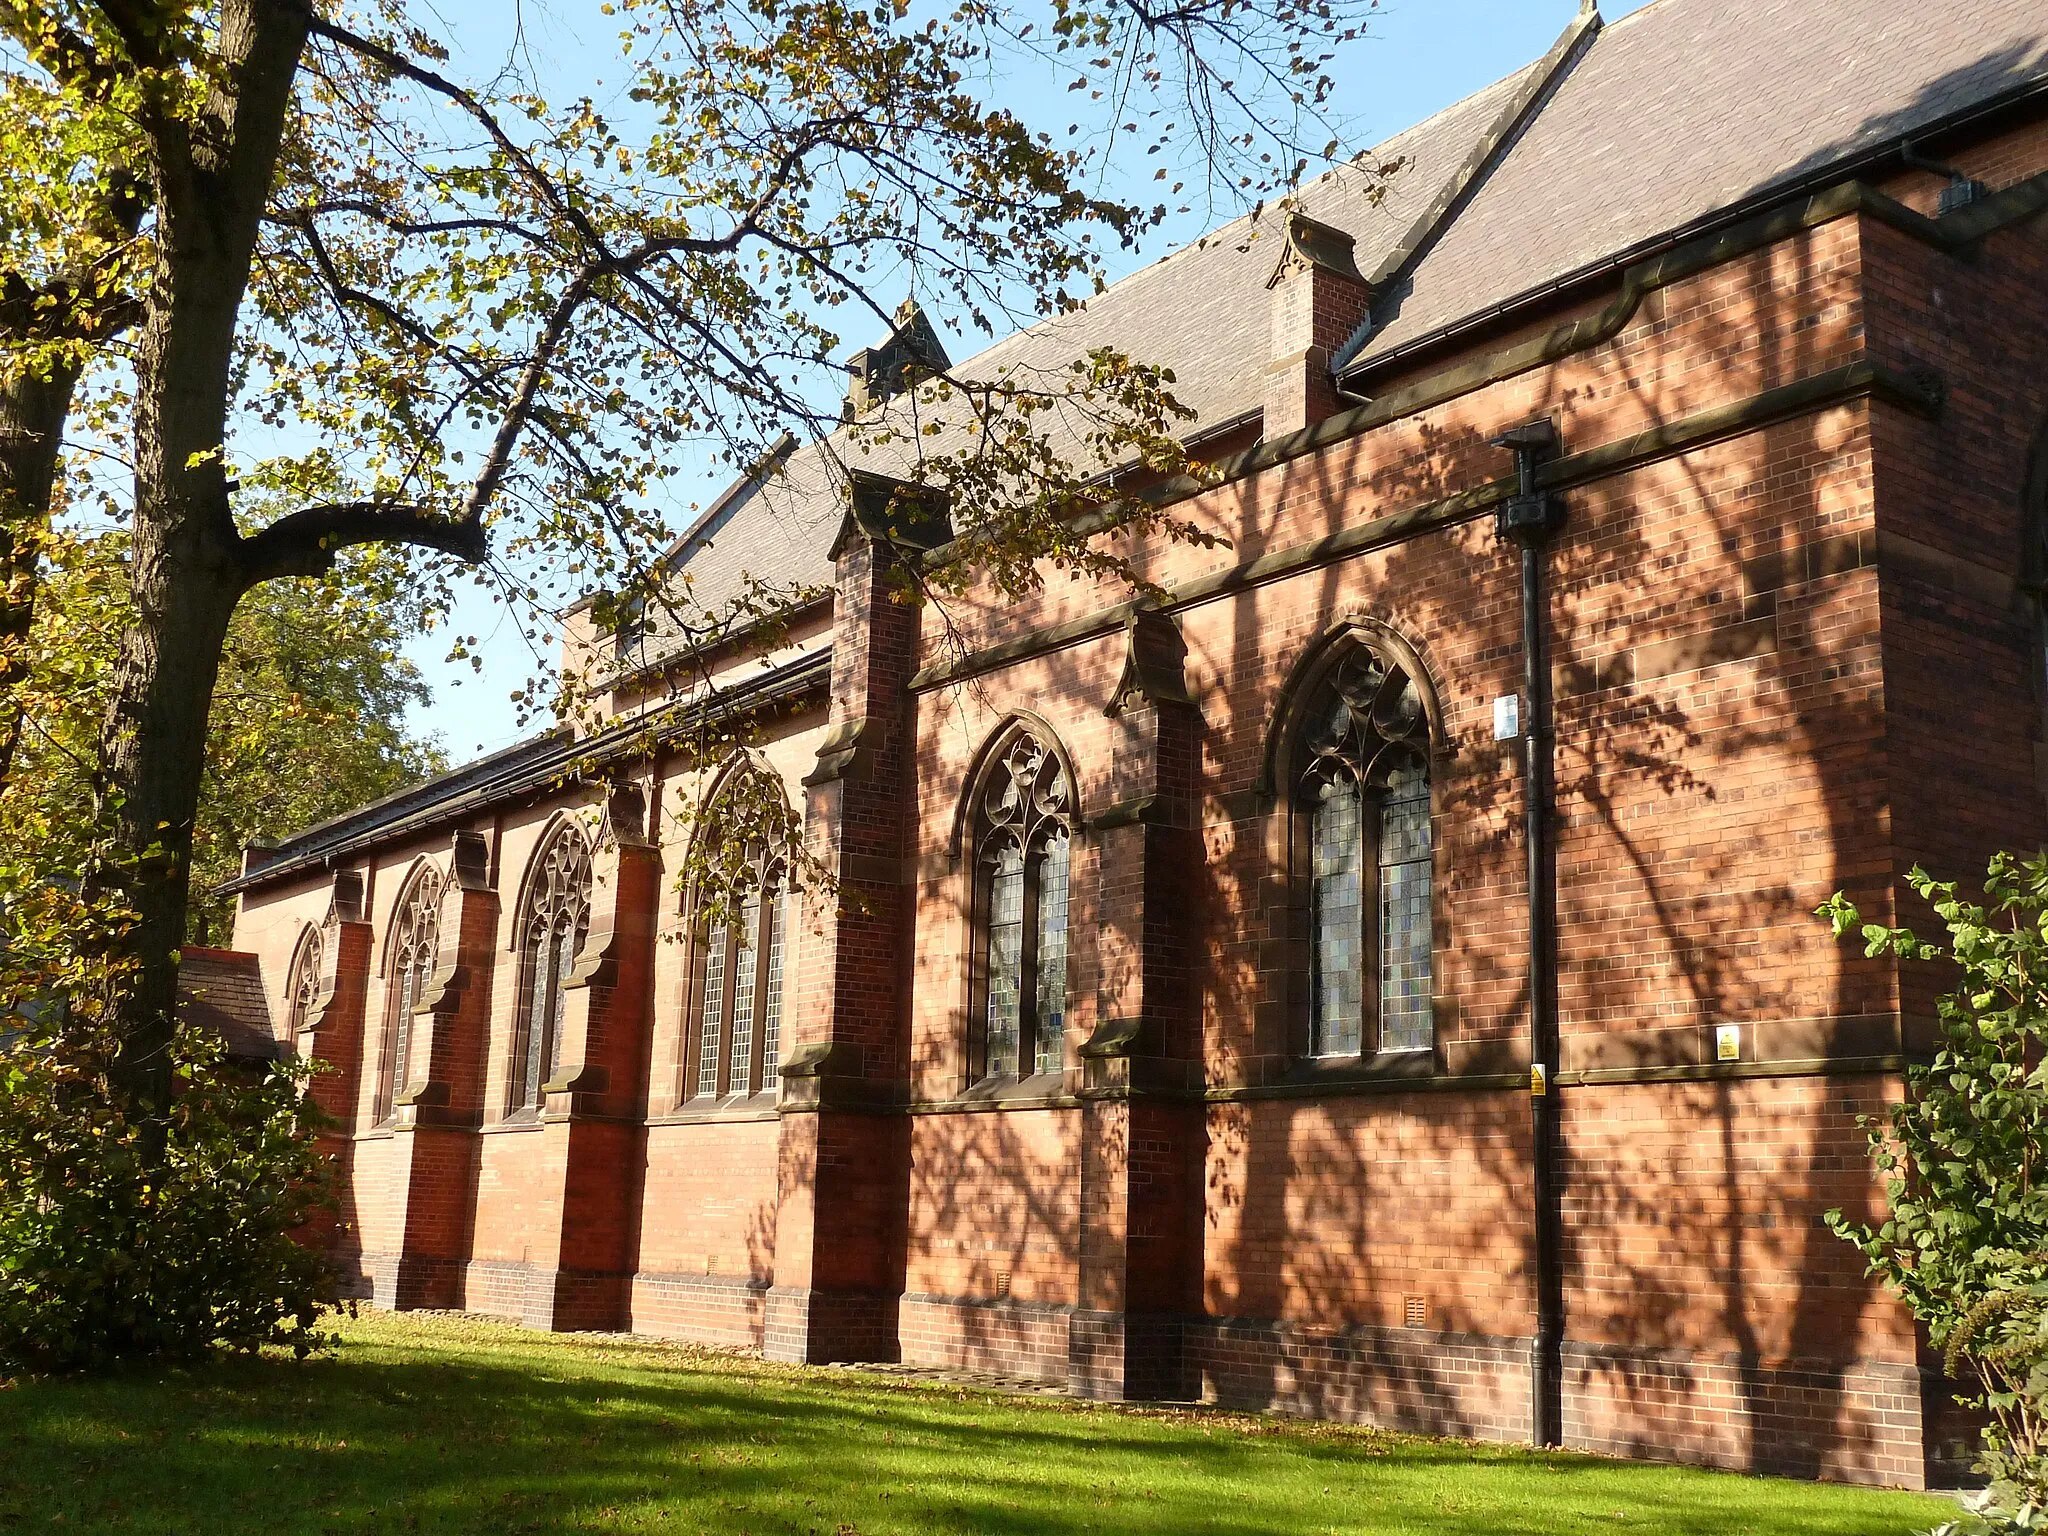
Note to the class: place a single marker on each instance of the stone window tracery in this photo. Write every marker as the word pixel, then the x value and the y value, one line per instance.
pixel 557 920
pixel 1362 797
pixel 1024 827
pixel 302 987
pixel 413 949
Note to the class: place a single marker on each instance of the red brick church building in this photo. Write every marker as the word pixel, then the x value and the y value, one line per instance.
pixel 1378 980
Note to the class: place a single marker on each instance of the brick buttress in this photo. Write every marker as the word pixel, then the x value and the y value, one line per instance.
pixel 435 1114
pixel 593 1127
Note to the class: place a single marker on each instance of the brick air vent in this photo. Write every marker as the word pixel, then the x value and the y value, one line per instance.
pixel 1002 1284
pixel 1414 1312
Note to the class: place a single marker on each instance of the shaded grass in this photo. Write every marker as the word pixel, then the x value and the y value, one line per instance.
pixel 456 1425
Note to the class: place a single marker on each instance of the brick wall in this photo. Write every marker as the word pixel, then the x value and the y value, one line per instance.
pixel 1794 658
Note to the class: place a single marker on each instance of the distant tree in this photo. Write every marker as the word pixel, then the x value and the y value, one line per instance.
pixel 308 716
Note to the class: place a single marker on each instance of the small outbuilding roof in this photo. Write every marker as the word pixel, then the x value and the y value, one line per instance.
pixel 222 990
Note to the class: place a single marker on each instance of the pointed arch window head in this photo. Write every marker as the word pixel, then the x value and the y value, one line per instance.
pixel 302 987
pixel 413 948
pixel 557 920
pixel 741 899
pixel 1024 826
pixel 1363 805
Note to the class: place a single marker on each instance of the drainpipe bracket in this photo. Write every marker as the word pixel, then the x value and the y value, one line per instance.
pixel 1528 519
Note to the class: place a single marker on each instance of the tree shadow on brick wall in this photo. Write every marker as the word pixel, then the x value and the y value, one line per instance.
pixel 1665 918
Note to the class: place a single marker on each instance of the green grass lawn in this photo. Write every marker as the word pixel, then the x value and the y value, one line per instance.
pixel 445 1425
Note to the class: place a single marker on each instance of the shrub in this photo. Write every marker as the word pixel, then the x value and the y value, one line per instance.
pixel 1964 1159
pixel 122 1239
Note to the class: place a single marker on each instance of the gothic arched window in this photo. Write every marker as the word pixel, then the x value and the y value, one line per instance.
pixel 556 920
pixel 302 985
pixel 1362 806
pixel 409 965
pixel 1023 837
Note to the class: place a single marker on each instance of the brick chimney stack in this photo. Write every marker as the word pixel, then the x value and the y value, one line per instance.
pixel 1319 298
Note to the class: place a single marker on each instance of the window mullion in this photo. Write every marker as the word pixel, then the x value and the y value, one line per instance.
pixel 1027 964
pixel 1371 901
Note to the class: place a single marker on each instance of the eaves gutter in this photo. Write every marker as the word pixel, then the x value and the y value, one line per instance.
pixel 566 761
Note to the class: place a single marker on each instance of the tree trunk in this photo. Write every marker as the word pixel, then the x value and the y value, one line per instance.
pixel 153 758
pixel 33 409
pixel 212 180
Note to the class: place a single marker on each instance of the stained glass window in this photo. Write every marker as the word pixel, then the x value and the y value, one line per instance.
pixel 1405 1023
pixel 1365 791
pixel 302 990
pixel 716 943
pixel 1051 970
pixel 1339 1007
pixel 739 1013
pixel 745 978
pixel 414 947
pixel 771 1007
pixel 1005 957
pixel 1025 839
pixel 557 921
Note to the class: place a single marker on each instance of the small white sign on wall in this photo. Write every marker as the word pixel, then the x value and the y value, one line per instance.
pixel 1507 717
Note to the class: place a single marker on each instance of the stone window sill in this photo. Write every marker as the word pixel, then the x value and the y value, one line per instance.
pixel 527 1119
pixel 733 1107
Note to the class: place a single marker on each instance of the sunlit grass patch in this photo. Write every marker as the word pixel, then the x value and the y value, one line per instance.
pixel 446 1424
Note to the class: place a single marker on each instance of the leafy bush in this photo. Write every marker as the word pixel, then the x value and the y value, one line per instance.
pixel 1964 1158
pixel 122 1238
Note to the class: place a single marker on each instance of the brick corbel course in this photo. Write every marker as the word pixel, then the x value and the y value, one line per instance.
pixel 593 1130
pixel 434 1158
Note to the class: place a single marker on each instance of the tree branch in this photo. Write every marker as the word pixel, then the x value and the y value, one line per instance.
pixel 304 543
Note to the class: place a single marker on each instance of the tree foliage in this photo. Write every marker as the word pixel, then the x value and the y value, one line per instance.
pixel 1964 1159
pixel 284 288
pixel 308 718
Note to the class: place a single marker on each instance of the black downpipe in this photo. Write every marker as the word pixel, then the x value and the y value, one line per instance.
pixel 1530 517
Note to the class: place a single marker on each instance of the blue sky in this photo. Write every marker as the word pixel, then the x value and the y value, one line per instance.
pixel 1419 57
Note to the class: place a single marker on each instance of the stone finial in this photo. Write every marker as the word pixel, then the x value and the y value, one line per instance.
pixel 912 352
pixel 1309 243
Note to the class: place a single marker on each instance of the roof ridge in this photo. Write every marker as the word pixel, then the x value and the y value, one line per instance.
pixel 1254 216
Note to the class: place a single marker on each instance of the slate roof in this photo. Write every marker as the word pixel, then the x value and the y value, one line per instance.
pixel 1679 110
pixel 1691 106
pixel 222 990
